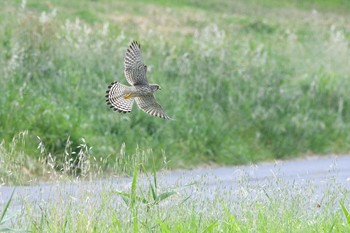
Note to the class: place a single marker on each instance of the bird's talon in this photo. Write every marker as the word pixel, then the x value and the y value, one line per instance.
pixel 127 96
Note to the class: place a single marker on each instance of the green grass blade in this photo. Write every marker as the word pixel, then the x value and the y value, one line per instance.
pixel 211 227
pixel 190 184
pixel 232 222
pixel 126 200
pixel 346 213
pixel 127 197
pixel 165 195
pixel 154 186
pixel 185 199
pixel 133 199
pixel 122 194
pixel 133 186
pixel 6 207
pixel 153 191
pixel 154 175
pixel 6 229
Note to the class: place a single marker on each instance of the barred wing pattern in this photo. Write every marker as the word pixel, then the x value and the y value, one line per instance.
pixel 134 68
pixel 121 98
pixel 115 99
pixel 149 105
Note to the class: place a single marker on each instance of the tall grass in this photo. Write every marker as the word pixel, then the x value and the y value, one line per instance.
pixel 241 87
pixel 4 218
pixel 273 205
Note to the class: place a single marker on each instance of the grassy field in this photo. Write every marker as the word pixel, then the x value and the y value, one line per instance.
pixel 245 81
pixel 271 205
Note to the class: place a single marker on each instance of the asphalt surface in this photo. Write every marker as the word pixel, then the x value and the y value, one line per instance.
pixel 321 171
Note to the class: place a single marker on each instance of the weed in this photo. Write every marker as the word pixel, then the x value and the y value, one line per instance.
pixel 346 214
pixel 152 198
pixel 4 218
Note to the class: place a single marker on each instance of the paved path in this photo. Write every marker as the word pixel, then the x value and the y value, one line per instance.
pixel 322 171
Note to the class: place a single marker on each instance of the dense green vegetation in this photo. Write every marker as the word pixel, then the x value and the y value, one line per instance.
pixel 245 80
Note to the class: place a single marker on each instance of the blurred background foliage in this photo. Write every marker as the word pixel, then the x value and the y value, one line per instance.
pixel 245 80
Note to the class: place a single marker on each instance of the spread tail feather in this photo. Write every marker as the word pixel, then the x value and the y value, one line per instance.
pixel 115 97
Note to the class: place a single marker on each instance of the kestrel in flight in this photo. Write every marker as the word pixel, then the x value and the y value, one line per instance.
pixel 121 97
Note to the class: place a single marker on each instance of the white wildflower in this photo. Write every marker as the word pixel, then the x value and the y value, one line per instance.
pixel 105 29
pixel 47 17
pixel 23 4
pixel 43 17
pixel 337 36
pixel 16 60
pixel 211 41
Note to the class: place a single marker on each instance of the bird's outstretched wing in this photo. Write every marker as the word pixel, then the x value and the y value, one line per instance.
pixel 149 105
pixel 134 68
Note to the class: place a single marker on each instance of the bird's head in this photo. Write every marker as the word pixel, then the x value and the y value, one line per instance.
pixel 155 87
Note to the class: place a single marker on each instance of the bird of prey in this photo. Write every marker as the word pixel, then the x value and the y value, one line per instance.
pixel 121 97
